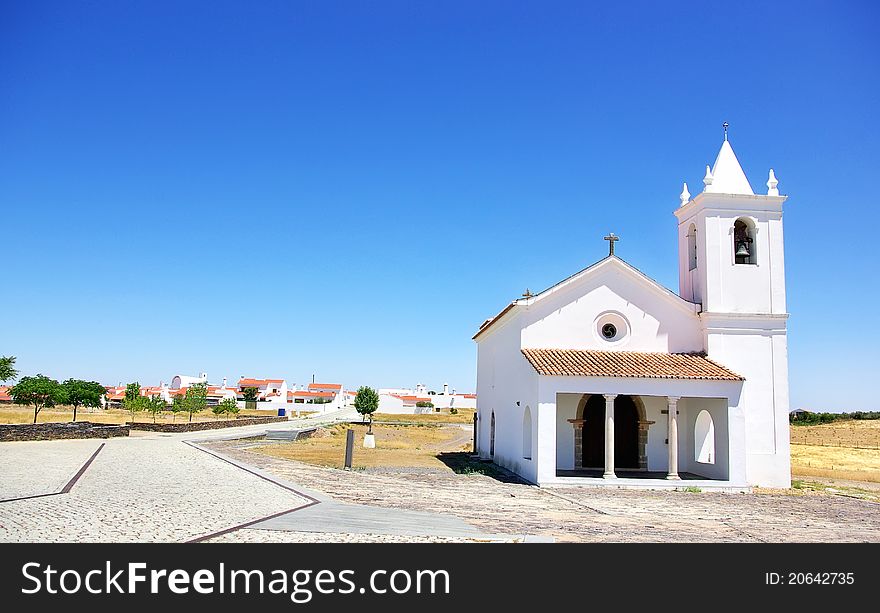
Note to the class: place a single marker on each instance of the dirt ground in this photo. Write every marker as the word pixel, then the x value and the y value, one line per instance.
pixel 397 446
pixel 498 503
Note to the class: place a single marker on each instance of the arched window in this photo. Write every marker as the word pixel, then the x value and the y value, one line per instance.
pixel 744 250
pixel 704 439
pixel 492 436
pixel 527 434
pixel 692 247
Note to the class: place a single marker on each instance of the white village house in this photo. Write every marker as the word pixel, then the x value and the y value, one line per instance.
pixel 608 378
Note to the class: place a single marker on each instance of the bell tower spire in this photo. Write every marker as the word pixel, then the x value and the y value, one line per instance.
pixel 731 257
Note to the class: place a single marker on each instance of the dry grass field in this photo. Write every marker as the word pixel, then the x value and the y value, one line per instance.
pixel 464 416
pixel 863 433
pixel 17 414
pixel 396 446
pixel 848 450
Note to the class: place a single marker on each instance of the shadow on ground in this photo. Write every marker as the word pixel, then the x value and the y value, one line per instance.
pixel 464 463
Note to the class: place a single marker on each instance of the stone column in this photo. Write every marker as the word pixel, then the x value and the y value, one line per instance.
pixel 672 436
pixel 609 436
pixel 578 425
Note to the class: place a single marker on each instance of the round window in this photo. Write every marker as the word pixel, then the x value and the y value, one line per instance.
pixel 609 331
pixel 612 328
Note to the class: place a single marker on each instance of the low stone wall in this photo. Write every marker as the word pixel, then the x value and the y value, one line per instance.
pixel 204 425
pixel 51 431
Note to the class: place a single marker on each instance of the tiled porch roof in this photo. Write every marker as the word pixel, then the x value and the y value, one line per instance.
pixel 578 363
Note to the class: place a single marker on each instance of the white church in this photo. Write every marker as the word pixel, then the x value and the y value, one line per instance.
pixel 610 379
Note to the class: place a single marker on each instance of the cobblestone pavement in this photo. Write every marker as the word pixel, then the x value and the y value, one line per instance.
pixel 589 514
pixel 25 471
pixel 248 535
pixel 144 488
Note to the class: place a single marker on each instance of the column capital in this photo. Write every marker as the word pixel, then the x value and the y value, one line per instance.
pixel 672 400
pixel 610 396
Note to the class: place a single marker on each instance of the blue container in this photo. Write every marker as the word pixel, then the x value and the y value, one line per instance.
pixel 282 412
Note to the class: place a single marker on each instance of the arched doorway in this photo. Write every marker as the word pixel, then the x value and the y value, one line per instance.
pixel 594 432
pixel 626 433
pixel 629 440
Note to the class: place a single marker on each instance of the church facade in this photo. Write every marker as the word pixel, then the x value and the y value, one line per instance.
pixel 609 378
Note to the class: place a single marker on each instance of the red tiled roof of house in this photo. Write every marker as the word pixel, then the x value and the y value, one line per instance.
pixel 579 363
pixel 4 393
pixel 304 394
pixel 257 382
pixel 325 386
pixel 412 398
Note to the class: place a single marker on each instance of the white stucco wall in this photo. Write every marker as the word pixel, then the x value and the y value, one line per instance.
pixel 568 319
pixel 756 348
pixel 504 377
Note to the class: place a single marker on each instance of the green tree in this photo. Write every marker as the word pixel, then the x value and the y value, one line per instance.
pixel 78 393
pixel 196 399
pixel 40 391
pixel 7 369
pixel 250 395
pixel 366 401
pixel 154 405
pixel 229 406
pixel 133 402
pixel 177 407
pixel 218 410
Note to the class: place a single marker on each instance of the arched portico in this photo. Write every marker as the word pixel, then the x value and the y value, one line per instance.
pixel 630 432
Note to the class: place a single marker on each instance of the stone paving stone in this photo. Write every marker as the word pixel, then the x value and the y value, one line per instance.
pixel 30 468
pixel 146 489
pixel 273 536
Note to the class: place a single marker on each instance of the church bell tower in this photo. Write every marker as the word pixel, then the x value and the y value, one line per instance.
pixel 731 257
pixel 732 263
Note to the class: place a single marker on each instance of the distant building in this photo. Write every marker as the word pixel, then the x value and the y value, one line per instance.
pixel 322 397
pixel 407 400
pixel 272 392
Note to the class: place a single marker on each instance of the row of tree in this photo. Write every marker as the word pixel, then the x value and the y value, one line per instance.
pixel 40 392
pixel 194 400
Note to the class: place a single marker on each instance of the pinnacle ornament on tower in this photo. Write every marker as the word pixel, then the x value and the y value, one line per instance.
pixel 772 190
pixel 685 195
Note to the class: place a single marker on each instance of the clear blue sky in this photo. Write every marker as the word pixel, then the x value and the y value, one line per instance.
pixel 350 188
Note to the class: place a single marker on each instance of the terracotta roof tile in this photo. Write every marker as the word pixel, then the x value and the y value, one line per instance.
pixel 579 363
pixel 304 394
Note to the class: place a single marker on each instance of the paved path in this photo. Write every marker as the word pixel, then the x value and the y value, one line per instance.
pixel 27 469
pixel 168 487
pixel 340 518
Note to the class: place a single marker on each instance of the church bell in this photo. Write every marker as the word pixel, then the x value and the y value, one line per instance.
pixel 743 250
